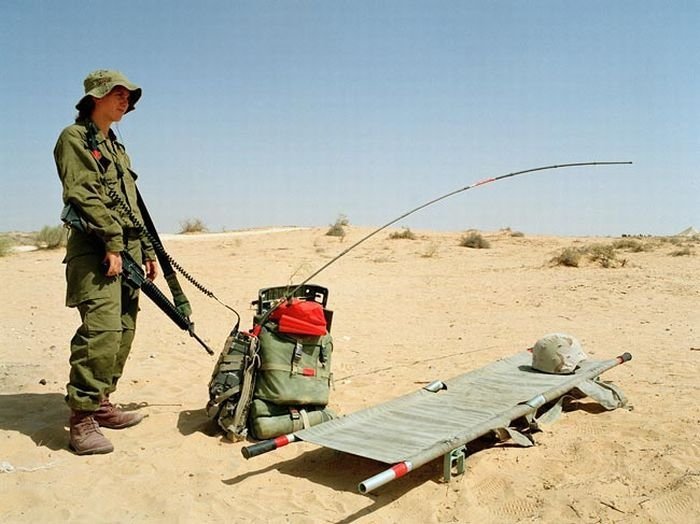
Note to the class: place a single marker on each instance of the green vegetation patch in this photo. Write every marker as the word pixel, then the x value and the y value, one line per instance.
pixel 51 237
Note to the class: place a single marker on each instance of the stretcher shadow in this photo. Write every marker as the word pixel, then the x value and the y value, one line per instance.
pixel 43 417
pixel 340 471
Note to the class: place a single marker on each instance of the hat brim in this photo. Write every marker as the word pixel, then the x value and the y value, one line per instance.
pixel 105 89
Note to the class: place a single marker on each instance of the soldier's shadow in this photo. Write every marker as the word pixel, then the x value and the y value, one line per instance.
pixel 40 416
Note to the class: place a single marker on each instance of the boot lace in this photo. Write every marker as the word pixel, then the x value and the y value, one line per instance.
pixel 89 425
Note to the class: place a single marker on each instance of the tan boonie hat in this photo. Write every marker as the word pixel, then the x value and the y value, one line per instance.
pixel 557 353
pixel 99 83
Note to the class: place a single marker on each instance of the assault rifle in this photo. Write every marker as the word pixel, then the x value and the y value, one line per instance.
pixel 134 276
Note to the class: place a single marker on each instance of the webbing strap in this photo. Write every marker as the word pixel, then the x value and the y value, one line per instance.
pixel 304 418
pixel 240 417
pixel 522 439
pixel 226 394
pixel 323 373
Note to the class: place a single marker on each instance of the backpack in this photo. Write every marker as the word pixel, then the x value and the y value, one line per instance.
pixel 276 379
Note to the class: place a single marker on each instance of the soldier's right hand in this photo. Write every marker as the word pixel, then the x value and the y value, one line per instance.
pixel 113 262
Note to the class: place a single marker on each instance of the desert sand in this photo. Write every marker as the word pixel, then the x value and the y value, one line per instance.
pixel 407 312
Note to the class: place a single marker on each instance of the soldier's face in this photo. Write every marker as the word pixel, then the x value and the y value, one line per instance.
pixel 114 104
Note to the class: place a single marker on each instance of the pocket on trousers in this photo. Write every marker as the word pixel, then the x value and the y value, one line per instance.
pixel 86 281
pixel 100 315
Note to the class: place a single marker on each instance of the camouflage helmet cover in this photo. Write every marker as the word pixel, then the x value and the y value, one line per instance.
pixel 99 83
pixel 557 353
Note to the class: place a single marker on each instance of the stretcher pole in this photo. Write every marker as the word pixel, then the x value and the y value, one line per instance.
pixel 501 420
pixel 268 445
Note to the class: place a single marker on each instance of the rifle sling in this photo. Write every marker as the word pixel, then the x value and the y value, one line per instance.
pixel 168 271
pixel 151 228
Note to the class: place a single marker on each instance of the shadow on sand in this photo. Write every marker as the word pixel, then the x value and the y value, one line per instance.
pixel 343 472
pixel 197 421
pixel 43 417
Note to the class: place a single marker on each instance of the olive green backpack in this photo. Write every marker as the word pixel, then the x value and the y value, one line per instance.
pixel 273 383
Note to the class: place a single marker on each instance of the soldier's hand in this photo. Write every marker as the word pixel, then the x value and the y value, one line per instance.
pixel 113 261
pixel 151 269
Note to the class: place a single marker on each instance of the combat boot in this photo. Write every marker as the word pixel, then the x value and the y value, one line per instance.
pixel 110 416
pixel 85 435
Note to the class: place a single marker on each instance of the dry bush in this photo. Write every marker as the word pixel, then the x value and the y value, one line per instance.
pixel 192 225
pixel 510 232
pixel 51 237
pixel 5 245
pixel 603 254
pixel 632 245
pixel 682 252
pixel 430 251
pixel 674 241
pixel 337 229
pixel 569 257
pixel 405 233
pixel 474 240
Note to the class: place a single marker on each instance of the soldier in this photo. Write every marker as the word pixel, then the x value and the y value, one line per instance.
pixel 97 180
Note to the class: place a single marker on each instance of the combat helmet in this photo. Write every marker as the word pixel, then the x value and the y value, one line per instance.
pixel 557 353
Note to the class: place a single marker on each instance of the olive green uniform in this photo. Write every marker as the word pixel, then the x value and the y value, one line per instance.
pixel 108 307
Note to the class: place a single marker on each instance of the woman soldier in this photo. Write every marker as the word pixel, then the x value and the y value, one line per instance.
pixel 97 181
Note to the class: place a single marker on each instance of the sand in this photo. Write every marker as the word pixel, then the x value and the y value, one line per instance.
pixel 406 312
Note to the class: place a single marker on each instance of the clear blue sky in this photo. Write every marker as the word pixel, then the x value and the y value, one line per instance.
pixel 263 113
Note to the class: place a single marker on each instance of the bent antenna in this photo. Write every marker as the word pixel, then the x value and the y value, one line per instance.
pixel 443 197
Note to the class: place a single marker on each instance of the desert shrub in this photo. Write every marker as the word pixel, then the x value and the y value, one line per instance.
pixel 5 245
pixel 603 254
pixel 508 231
pixel 674 241
pixel 51 237
pixel 569 257
pixel 632 245
pixel 405 233
pixel 192 225
pixel 337 229
pixel 430 251
pixel 683 252
pixel 474 240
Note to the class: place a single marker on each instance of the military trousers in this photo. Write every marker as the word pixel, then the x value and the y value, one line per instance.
pixel 100 347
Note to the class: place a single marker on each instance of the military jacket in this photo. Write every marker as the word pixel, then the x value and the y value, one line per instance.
pixel 98 183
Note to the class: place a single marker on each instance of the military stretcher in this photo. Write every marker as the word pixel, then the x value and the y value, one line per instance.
pixel 443 417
